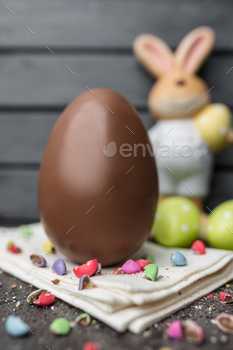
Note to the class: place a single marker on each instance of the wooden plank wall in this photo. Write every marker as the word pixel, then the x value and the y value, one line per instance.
pixel 94 39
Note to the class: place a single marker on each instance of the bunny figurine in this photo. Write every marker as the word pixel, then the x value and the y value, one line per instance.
pixel 189 129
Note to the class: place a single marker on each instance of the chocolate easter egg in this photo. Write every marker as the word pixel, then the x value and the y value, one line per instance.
pixel 97 190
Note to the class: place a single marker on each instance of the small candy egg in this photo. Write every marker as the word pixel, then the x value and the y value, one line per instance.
pixel 15 326
pixel 151 272
pixel 38 260
pixel 149 257
pixel 177 222
pixel 41 297
pixel 83 320
pixel 60 326
pixel 198 247
pixel 85 283
pixel 25 230
pixel 130 267
pixel 175 331
pixel 178 259
pixel 89 268
pixel 98 270
pixel 91 346
pixel 48 247
pixel 143 263
pixel 59 267
pixel 219 228
pixel 228 298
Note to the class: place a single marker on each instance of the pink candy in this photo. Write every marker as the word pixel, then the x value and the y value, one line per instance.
pixel 130 267
pixel 175 331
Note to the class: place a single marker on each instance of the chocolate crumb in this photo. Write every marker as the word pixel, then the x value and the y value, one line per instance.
pixel 56 281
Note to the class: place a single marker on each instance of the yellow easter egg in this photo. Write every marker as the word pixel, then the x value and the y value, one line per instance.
pixel 214 124
pixel 48 247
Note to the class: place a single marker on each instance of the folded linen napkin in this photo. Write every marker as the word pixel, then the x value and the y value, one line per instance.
pixel 121 301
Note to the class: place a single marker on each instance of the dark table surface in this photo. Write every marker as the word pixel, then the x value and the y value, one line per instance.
pixel 39 319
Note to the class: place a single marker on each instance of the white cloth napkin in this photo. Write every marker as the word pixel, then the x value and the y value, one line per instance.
pixel 121 301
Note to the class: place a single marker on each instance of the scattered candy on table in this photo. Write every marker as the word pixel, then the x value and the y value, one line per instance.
pixel 60 326
pixel 130 267
pixel 188 330
pixel 16 327
pixel 86 269
pixel 91 346
pixel 48 247
pixel 143 263
pixel 175 331
pixel 38 260
pixel 41 297
pixel 59 267
pixel 178 259
pixel 25 230
pixel 83 319
pixel 198 247
pixel 151 272
pixel 85 283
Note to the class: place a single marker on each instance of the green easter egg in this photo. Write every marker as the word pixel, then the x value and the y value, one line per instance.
pixel 219 228
pixel 60 326
pixel 151 271
pixel 177 222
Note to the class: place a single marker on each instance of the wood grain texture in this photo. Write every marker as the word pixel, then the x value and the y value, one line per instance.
pixel 110 24
pixel 44 80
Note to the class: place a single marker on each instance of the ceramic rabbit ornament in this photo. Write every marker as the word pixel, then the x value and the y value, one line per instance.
pixel 189 129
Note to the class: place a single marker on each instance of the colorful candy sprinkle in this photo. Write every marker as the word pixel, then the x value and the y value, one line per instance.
pixel 86 269
pixel 130 267
pixel 118 271
pixel 25 230
pixel 151 272
pixel 41 297
pixel 178 259
pixel 143 263
pixel 59 267
pixel 85 283
pixel 198 247
pixel 60 326
pixel 83 319
pixel 38 260
pixel 16 327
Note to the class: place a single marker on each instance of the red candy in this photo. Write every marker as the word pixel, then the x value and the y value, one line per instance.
pixel 91 346
pixel 117 271
pixel 45 300
pixel 143 263
pixel 226 297
pixel 198 247
pixel 12 248
pixel 86 269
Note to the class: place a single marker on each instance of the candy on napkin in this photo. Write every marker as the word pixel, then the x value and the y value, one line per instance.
pixel 85 282
pixel 198 247
pixel 25 230
pixel 143 263
pixel 130 267
pixel 178 259
pixel 11 247
pixel 151 272
pixel 48 247
pixel 86 269
pixel 59 267
pixel 38 260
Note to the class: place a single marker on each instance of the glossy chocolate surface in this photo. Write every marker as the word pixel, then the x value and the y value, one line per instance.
pixel 109 201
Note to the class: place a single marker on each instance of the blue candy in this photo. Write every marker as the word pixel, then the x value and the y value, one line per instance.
pixel 178 259
pixel 15 326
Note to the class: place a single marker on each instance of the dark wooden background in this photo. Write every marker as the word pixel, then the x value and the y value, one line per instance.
pixel 94 39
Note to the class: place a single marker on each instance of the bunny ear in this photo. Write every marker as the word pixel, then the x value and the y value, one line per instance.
pixel 194 49
pixel 154 54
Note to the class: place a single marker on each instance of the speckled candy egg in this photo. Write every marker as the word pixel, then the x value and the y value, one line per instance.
pixel 219 229
pixel 177 222
pixel 97 201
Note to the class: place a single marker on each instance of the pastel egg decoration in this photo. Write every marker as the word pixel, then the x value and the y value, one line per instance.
pixel 214 124
pixel 177 222
pixel 219 228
